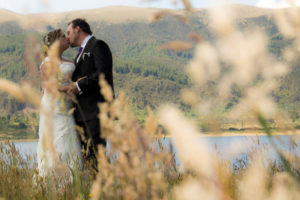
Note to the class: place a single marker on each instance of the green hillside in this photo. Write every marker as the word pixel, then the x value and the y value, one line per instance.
pixel 147 75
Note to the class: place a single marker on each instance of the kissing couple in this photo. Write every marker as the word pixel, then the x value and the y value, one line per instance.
pixel 59 142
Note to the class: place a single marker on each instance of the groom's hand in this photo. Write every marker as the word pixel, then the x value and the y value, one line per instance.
pixel 78 90
pixel 70 94
pixel 71 88
pixel 74 88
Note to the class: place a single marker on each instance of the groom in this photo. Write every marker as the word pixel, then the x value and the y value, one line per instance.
pixel 94 58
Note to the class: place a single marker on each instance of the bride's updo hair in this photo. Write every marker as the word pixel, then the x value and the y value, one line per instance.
pixel 49 39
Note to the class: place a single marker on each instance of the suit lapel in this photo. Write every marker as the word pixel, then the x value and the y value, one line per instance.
pixel 86 49
pixel 76 59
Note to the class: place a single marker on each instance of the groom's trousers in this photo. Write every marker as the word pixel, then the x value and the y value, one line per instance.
pixel 91 131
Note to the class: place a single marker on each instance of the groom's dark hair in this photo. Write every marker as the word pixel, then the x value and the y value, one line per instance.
pixel 84 26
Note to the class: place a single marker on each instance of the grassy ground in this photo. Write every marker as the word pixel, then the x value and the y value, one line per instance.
pixel 19 179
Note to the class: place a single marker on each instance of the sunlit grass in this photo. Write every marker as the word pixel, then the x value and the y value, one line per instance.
pixel 135 168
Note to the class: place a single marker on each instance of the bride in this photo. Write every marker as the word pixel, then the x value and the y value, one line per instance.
pixel 59 143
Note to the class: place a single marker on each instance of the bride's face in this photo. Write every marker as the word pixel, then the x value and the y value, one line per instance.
pixel 63 41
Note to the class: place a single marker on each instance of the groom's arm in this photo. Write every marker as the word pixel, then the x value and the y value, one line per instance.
pixel 103 63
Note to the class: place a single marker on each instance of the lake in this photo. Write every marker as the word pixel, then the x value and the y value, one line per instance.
pixel 228 147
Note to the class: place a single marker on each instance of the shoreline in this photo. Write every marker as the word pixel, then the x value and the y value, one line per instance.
pixel 246 134
pixel 239 134
pixel 18 140
pixel 225 134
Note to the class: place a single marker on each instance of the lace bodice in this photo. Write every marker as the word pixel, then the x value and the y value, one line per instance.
pixel 64 77
pixel 66 69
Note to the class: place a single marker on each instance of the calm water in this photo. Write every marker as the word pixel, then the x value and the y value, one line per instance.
pixel 232 147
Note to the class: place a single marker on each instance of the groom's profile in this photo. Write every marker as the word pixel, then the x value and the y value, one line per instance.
pixel 94 58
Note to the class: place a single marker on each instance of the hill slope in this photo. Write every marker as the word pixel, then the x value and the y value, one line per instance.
pixel 148 75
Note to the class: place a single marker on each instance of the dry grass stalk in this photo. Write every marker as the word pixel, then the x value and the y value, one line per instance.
pixel 187 4
pixel 176 46
pixel 162 14
pixel 241 57
pixel 136 167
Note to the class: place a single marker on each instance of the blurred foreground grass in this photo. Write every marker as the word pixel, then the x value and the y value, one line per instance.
pixel 138 166
pixel 139 173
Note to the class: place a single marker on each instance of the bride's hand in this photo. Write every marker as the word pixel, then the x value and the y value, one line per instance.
pixel 71 96
pixel 63 88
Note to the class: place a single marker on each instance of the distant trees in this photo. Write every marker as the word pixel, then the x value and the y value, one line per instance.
pixel 154 69
pixel 148 75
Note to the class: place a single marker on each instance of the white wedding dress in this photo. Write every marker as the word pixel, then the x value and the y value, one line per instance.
pixel 58 140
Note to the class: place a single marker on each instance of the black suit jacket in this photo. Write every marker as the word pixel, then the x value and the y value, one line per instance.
pixel 95 59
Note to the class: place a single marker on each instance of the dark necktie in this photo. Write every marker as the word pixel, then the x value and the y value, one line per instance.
pixel 80 50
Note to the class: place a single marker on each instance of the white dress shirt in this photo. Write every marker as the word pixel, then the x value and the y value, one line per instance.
pixel 83 44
